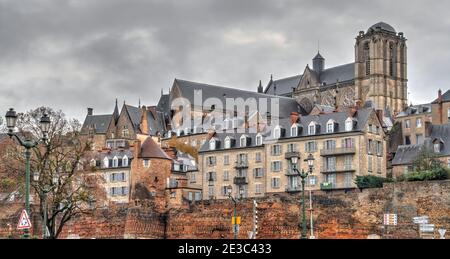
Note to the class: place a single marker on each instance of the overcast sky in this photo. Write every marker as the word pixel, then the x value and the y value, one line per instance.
pixel 73 54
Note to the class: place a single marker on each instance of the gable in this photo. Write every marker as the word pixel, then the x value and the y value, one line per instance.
pixel 309 79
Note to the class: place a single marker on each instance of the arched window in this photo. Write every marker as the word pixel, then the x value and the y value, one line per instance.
pixel 105 162
pixel 392 59
pixel 367 57
pixel 125 161
pixel 243 141
pixel 277 132
pixel 312 128
pixel 227 144
pixel 115 162
pixel 294 130
pixel 349 124
pixel 330 126
pixel 259 140
pixel 212 144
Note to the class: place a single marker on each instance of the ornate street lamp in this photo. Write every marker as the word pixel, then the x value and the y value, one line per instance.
pixel 28 144
pixel 303 175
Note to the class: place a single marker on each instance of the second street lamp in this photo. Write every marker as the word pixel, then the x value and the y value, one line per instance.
pixel 303 175
pixel 235 201
pixel 28 144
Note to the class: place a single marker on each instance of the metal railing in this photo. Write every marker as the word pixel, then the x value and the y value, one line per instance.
pixel 338 151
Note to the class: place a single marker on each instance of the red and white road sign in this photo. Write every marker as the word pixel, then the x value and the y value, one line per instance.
pixel 24 221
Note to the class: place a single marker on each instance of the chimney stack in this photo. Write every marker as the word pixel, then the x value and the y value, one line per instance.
pixel 294 117
pixel 90 111
pixel 380 115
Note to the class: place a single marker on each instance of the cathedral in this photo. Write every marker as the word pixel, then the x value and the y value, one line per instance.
pixel 378 74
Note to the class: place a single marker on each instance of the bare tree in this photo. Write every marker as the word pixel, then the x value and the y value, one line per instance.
pixel 66 187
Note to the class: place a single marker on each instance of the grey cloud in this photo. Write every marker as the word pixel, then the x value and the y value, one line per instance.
pixel 72 54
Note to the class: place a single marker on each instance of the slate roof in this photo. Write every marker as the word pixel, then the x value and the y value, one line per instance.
pixel 164 104
pixel 187 88
pixel 361 117
pixel 135 115
pixel 416 109
pixel 330 76
pixel 445 97
pixel 384 27
pixel 99 122
pixel 149 149
pixel 407 154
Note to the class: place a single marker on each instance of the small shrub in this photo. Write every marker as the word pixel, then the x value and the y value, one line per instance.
pixel 428 175
pixel 370 181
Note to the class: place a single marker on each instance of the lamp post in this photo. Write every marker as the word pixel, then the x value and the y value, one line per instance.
pixel 235 201
pixel 28 144
pixel 310 160
pixel 44 190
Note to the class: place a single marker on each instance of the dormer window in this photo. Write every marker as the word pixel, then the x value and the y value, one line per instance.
pixel 227 144
pixel 187 130
pixel 330 126
pixel 259 140
pixel 235 123
pixel 277 132
pixel 243 141
pixel 227 124
pixel 125 161
pixel 105 162
pixel 437 145
pixel 349 124
pixel 294 130
pixel 115 162
pixel 312 128
pixel 212 144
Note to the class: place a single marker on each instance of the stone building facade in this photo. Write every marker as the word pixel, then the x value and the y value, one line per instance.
pixel 441 108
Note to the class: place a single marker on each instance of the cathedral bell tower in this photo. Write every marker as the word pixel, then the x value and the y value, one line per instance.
pixel 381 68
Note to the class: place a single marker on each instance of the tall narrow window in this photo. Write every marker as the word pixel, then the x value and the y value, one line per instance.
pixel 367 58
pixel 392 60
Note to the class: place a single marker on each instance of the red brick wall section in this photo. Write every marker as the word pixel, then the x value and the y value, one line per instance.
pixel 336 215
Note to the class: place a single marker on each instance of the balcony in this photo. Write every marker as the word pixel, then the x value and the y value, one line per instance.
pixel 242 164
pixel 291 173
pixel 338 169
pixel 338 151
pixel 288 155
pixel 328 186
pixel 291 189
pixel 240 180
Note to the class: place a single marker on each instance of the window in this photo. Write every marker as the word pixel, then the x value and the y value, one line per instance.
pixel 407 124
pixel 277 132
pixel 348 161
pixel 276 150
pixel 294 130
pixel 329 145
pixel 190 196
pixel 448 163
pixel 226 160
pixel 367 57
pixel 211 160
pixel 330 126
pixel 258 157
pixel 379 148
pixel 331 178
pixel 258 188
pixel 330 164
pixel 275 183
pixel 312 128
pixel 125 161
pixel 349 124
pixel 418 123
pixel 224 191
pixel 392 60
pixel 370 164
pixel 243 141
pixel 193 177
pixel 198 196
pixel 146 163
pixel 115 162
pixel 93 163
pixel 258 172
pixel 212 144
pixel 370 147
pixel 118 191
pixel 259 141
pixel 227 143
pixel 348 143
pixel 348 180
pixel 448 113
pixel 125 133
pixel 419 139
pixel 276 166
pixel 226 175
pixel 105 162
pixel 379 165
pixel 310 147
pixel 211 191
pixel 292 147
pixel 227 123
pixel 407 140
pixel 312 180
pixel 437 147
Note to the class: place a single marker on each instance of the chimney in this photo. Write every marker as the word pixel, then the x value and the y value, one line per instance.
pixel 294 117
pixel 440 109
pixel 144 120
pixel 380 115
pixel 440 96
pixel 136 149
pixel 90 111
pixel 358 104
pixel 428 129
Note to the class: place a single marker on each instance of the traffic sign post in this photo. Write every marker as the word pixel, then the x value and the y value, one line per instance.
pixel 24 221
pixel 442 233
pixel 390 219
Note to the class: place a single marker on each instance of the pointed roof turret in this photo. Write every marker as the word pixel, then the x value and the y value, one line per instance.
pixel 116 113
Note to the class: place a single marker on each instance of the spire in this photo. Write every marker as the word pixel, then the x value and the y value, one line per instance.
pixel 260 87
pixel 162 93
pixel 116 113
pixel 139 103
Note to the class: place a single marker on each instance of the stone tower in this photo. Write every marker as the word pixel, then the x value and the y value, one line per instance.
pixel 381 68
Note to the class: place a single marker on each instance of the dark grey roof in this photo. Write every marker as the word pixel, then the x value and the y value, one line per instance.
pixel 325 108
pixel 236 136
pixel 99 122
pixel 406 155
pixel 164 104
pixel 187 88
pixel 383 26
pixel 441 132
pixel 341 73
pixel 135 115
pixel 330 76
pixel 445 97
pixel 318 56
pixel 117 152
pixel 155 122
pixel 416 109
pixel 361 118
